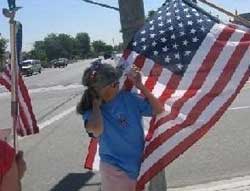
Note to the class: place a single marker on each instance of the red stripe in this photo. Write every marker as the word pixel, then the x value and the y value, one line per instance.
pixel 189 141
pixel 27 100
pixel 201 74
pixel 24 120
pixel 5 84
pixel 91 154
pixel 20 130
pixel 153 77
pixel 205 101
pixel 126 53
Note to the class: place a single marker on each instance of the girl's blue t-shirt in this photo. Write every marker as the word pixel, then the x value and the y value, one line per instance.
pixel 122 140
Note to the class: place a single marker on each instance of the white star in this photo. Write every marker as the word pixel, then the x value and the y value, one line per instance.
pixel 160 18
pixel 161 31
pixel 182 33
pixel 177 11
pixel 209 20
pixel 173 36
pixel 152 35
pixel 175 46
pixel 154 43
pixel 175 5
pixel 190 22
pixel 169 21
pixel 159 12
pixel 195 39
pixel 180 66
pixel 197 14
pixel 187 53
pixel 152 28
pixel 178 17
pixel 171 28
pixel 165 49
pixel 144 47
pixel 180 24
pixel 186 10
pixel 192 31
pixel 168 14
pixel 143 39
pixel 200 21
pixel 188 16
pixel 185 42
pixel 194 10
pixel 177 56
pixel 163 40
pixel 151 22
pixel 156 53
pixel 183 4
pixel 203 28
pixel 161 24
pixel 134 43
pixel 143 32
pixel 167 59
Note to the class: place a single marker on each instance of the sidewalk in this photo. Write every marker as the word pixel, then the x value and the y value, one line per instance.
pixel 235 184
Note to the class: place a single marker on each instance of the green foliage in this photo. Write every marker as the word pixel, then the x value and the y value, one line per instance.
pixel 100 47
pixel 3 45
pixel 82 45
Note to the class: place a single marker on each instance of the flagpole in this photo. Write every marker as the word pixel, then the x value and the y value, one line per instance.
pixel 14 101
pixel 236 17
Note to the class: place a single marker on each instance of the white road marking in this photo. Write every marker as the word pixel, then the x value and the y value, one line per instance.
pixel 56 118
pixel 235 184
pixel 239 108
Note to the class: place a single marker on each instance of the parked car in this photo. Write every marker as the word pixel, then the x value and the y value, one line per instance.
pixel 61 62
pixel 29 67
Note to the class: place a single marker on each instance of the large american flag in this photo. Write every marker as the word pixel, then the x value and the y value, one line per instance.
pixel 27 124
pixel 195 66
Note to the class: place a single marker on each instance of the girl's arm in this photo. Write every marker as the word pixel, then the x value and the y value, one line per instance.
pixel 157 106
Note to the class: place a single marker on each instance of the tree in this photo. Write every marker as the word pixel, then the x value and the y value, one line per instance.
pixel 100 47
pixel 3 45
pixel 82 45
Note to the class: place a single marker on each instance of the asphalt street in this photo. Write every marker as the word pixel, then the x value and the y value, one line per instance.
pixel 55 156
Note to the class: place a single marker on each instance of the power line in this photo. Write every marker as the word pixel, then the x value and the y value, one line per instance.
pixel 102 5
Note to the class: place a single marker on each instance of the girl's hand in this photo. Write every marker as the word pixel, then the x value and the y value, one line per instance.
pixel 135 76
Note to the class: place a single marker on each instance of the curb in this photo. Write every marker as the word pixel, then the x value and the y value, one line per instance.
pixel 235 184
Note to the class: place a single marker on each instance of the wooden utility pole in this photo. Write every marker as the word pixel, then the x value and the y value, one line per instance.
pixel 132 18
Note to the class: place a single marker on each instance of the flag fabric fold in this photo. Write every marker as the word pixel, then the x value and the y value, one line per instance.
pixel 195 66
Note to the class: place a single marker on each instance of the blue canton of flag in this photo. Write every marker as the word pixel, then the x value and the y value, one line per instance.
pixel 19 37
pixel 173 35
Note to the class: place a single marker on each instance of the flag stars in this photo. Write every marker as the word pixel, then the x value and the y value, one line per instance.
pixel 152 28
pixel 188 16
pixel 167 59
pixel 200 21
pixel 187 53
pixel 175 46
pixel 160 18
pixel 161 31
pixel 154 44
pixel 203 28
pixel 151 22
pixel 143 39
pixel 152 35
pixel 180 25
pixel 163 40
pixel 192 31
pixel 182 33
pixel 134 43
pixel 165 49
pixel 177 56
pixel 144 47
pixel 190 23
pixel 169 21
pixel 172 36
pixel 161 24
pixel 185 42
pixel 195 39
pixel 171 28
pixel 156 53
pixel 143 32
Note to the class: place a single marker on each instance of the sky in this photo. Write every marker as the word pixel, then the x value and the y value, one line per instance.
pixel 41 17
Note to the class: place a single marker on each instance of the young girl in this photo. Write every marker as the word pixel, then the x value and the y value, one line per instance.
pixel 115 118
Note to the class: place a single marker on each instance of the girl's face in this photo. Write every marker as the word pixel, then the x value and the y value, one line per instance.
pixel 110 91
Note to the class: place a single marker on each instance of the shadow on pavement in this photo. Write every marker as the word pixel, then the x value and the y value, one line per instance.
pixel 74 182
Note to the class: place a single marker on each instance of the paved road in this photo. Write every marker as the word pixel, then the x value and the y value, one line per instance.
pixel 55 156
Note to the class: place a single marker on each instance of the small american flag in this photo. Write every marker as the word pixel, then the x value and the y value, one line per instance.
pixel 27 124
pixel 195 66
